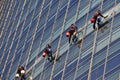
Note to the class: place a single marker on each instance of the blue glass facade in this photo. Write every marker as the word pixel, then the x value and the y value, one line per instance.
pixel 26 26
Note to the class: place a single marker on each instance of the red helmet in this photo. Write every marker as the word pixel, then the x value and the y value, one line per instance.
pixel 44 54
pixel 92 20
pixel 67 34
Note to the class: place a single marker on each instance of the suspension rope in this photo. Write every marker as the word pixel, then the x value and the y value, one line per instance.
pixel 36 58
pixel 52 33
pixel 27 34
pixel 5 35
pixel 51 36
pixel 93 50
pixel 13 22
pixel 3 41
pixel 5 16
pixel 119 77
pixel 14 38
pixel 2 6
pixel 82 40
pixel 6 19
pixel 60 40
pixel 2 17
pixel 77 11
pixel 3 22
pixel 109 40
pixel 83 34
pixel 27 13
pixel 3 11
pixel 3 54
pixel 33 37
pixel 19 37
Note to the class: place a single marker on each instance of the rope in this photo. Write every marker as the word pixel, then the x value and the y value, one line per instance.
pixel 2 39
pixel 119 77
pixel 6 35
pixel 5 46
pixel 19 37
pixel 93 51
pixel 43 31
pixel 3 11
pixel 51 36
pixel 27 31
pixel 5 20
pixel 82 42
pixel 27 13
pixel 12 41
pixel 108 44
pixel 2 6
pixel 27 34
pixel 2 17
pixel 34 34
pixel 60 40
pixel 52 33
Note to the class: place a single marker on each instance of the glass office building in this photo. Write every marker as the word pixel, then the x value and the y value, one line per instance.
pixel 26 26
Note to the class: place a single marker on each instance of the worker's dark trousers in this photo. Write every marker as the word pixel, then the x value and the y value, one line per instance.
pixel 51 57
